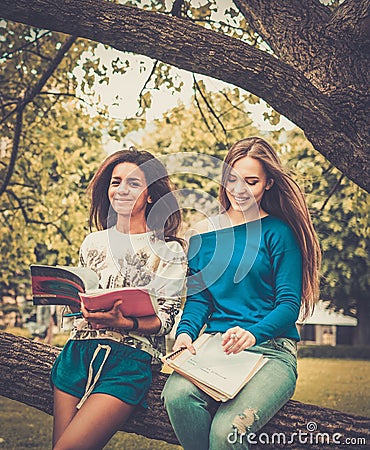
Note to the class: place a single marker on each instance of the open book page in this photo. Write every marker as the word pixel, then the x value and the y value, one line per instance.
pixel 211 366
pixel 83 277
pixel 88 276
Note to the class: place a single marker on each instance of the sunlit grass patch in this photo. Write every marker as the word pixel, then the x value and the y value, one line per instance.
pixel 340 384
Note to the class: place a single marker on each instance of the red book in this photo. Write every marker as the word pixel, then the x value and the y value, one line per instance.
pixel 62 285
pixel 135 302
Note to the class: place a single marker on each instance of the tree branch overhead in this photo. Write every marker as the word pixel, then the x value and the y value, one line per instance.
pixel 317 82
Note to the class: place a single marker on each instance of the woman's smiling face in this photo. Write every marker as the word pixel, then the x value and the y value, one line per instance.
pixel 246 184
pixel 128 193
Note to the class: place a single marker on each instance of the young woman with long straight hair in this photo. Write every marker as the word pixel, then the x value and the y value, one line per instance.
pixel 253 268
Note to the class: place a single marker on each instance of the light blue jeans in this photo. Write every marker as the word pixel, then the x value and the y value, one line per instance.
pixel 189 408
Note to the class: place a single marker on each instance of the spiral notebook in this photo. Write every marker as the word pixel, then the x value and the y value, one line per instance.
pixel 219 375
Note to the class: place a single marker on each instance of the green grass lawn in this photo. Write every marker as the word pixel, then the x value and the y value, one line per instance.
pixel 333 383
pixel 340 384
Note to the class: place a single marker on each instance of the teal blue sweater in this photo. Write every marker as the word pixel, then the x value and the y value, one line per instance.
pixel 249 275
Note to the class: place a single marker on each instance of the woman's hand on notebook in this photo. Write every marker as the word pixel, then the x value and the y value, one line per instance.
pixel 236 339
pixel 183 340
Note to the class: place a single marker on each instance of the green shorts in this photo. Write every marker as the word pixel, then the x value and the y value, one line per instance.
pixel 125 374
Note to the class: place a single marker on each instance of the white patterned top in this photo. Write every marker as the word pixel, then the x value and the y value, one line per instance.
pixel 136 260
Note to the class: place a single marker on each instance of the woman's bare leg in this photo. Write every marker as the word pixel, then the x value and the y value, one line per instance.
pixel 64 411
pixel 93 425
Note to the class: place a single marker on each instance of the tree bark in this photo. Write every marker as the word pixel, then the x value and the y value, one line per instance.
pixel 318 81
pixel 24 376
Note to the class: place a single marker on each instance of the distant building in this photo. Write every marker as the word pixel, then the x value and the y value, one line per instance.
pixel 327 327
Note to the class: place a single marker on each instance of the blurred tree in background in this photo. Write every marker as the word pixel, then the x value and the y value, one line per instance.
pixel 50 147
pixel 340 211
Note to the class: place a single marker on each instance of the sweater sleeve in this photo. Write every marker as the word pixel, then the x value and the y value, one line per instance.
pixel 198 305
pixel 168 285
pixel 286 260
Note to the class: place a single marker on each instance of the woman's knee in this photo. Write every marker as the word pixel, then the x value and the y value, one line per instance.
pixel 229 431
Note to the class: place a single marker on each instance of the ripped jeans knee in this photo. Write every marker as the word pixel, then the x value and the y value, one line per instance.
pixel 244 421
pixel 231 431
pixel 241 428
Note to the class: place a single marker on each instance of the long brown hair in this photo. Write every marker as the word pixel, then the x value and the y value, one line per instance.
pixel 286 201
pixel 167 218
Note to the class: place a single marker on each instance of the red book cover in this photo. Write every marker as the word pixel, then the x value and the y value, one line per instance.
pixel 135 302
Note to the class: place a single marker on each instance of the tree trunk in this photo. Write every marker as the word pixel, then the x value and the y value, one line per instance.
pixel 315 78
pixel 362 331
pixel 24 376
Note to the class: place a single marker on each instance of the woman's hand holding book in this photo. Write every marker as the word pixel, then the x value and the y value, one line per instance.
pixel 112 318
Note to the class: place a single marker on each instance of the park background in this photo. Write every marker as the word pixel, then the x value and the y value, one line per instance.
pixel 66 102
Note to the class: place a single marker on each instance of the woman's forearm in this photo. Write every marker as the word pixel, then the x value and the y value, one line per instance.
pixel 147 325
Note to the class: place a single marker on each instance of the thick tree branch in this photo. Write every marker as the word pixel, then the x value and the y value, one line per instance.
pixel 297 31
pixel 351 22
pixel 335 125
pixel 265 18
pixel 180 43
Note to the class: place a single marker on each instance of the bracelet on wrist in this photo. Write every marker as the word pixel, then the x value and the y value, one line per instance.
pixel 135 323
